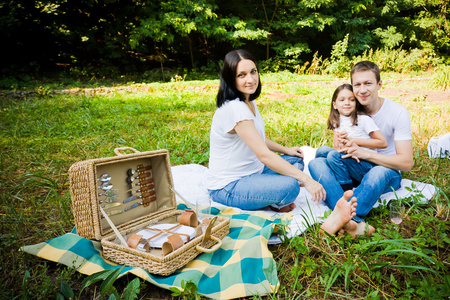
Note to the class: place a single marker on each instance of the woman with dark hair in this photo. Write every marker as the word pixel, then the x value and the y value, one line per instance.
pixel 244 170
pixel 228 89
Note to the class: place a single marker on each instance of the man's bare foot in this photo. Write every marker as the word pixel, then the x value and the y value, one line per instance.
pixel 355 229
pixel 342 213
pixel 349 227
pixel 284 209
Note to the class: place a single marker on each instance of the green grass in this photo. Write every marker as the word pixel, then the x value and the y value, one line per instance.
pixel 43 134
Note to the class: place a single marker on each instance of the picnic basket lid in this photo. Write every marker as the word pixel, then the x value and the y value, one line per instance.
pixel 86 195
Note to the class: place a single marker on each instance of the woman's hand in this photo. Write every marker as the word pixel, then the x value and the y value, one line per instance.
pixel 294 151
pixel 316 190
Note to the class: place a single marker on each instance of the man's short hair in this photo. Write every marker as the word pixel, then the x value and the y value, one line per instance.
pixel 363 66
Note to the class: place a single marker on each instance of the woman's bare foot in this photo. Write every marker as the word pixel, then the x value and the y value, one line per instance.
pixel 342 213
pixel 284 209
pixel 355 229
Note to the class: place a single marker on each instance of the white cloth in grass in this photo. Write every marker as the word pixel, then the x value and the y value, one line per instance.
pixel 439 146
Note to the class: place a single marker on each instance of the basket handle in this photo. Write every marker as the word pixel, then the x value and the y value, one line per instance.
pixel 211 250
pixel 117 150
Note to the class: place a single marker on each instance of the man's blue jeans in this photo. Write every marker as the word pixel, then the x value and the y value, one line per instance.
pixel 338 164
pixel 373 181
pixel 261 190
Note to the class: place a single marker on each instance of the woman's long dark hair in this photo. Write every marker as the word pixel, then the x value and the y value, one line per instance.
pixel 333 118
pixel 227 89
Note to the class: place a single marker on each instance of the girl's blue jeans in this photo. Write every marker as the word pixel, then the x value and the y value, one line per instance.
pixel 373 180
pixel 261 190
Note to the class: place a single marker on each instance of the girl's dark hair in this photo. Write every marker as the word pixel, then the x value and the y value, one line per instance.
pixel 227 89
pixel 333 118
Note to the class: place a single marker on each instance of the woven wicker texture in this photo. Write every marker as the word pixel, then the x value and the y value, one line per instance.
pixel 153 261
pixel 84 188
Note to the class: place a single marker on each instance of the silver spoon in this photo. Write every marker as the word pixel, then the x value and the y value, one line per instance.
pixel 106 187
pixel 104 178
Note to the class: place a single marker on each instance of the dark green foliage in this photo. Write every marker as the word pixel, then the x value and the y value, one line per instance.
pixel 100 38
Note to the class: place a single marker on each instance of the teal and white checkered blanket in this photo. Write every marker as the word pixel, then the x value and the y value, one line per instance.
pixel 243 266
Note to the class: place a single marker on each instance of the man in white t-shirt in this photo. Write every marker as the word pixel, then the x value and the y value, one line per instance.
pixel 383 173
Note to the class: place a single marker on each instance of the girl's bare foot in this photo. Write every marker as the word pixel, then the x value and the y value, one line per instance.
pixel 342 213
pixel 284 209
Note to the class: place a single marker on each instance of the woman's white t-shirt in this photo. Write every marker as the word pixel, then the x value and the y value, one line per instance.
pixel 229 157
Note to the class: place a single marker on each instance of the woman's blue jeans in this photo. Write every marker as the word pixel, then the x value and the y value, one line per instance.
pixel 373 181
pixel 261 190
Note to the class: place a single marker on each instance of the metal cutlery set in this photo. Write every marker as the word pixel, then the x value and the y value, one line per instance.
pixel 141 177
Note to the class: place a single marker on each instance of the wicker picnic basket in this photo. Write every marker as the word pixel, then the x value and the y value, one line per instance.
pixel 134 191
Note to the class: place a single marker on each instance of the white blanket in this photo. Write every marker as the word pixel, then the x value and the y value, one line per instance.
pixel 188 182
